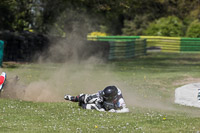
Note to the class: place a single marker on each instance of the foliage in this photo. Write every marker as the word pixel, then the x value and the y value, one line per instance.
pixel 117 17
pixel 15 15
pixel 170 26
pixel 7 14
pixel 136 26
pixel 194 29
pixel 97 34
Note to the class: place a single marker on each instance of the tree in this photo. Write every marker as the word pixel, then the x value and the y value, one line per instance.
pixel 194 29
pixel 23 15
pixel 115 16
pixel 181 8
pixel 7 14
pixel 15 15
pixel 167 26
pixel 136 26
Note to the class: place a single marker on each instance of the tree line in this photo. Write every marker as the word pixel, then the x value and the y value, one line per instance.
pixel 114 17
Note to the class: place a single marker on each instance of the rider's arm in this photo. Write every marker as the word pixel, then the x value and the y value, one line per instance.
pixel 121 107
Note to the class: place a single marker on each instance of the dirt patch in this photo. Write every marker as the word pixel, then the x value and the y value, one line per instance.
pixel 10 88
pixel 186 80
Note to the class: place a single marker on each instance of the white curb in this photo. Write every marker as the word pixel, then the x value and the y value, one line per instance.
pixel 187 95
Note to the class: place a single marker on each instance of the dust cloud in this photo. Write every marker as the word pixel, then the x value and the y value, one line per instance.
pixel 75 74
pixel 70 78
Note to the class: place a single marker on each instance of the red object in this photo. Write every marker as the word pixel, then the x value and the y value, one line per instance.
pixel 2 78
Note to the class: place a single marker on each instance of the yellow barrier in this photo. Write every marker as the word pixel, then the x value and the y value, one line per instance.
pixel 166 44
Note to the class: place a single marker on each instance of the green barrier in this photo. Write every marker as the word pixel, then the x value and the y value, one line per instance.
pixel 1 52
pixel 112 38
pixel 119 50
pixel 127 49
pixel 122 47
pixel 173 44
pixel 190 45
pixel 165 44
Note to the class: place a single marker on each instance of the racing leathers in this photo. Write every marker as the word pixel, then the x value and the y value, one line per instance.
pixel 96 101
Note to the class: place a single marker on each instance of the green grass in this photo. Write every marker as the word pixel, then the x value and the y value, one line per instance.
pixel 21 116
pixel 151 78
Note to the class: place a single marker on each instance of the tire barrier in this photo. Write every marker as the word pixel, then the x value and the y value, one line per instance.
pixel 173 44
pixel 164 44
pixel 190 45
pixel 160 43
pixel 122 47
pixel 127 49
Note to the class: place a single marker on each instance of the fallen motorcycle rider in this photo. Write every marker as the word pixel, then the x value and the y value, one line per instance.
pixel 110 99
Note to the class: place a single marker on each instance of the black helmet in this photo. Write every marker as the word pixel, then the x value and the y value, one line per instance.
pixel 109 93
